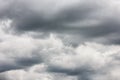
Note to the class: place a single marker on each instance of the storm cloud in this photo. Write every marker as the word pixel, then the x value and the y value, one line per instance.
pixel 89 19
pixel 59 39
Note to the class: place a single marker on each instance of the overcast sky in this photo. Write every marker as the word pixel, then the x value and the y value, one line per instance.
pixel 59 40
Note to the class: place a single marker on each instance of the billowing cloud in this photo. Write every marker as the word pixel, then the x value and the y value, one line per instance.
pixel 59 39
pixel 24 57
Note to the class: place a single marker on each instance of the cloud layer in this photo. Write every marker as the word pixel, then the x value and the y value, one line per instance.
pixel 23 57
pixel 59 39
pixel 91 19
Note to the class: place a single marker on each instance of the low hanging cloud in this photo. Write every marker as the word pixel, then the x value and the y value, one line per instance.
pixel 23 57
pixel 90 20
pixel 59 39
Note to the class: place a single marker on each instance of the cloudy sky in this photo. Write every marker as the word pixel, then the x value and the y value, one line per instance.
pixel 59 40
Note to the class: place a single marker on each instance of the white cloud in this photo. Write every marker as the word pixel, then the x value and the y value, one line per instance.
pixel 24 75
pixel 55 55
pixel 50 58
pixel 33 74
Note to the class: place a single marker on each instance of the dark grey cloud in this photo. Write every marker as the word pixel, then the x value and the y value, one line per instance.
pixel 73 54
pixel 24 62
pixel 19 64
pixel 8 67
pixel 3 77
pixel 81 71
pixel 30 20
pixel 72 19
pixel 27 19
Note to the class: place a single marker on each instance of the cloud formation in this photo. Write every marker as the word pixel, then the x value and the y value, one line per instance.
pixel 86 19
pixel 59 39
pixel 23 57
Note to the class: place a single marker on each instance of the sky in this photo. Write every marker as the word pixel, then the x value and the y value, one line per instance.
pixel 59 40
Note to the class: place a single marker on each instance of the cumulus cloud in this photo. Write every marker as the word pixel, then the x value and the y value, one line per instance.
pixel 23 57
pixel 88 61
pixel 59 39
